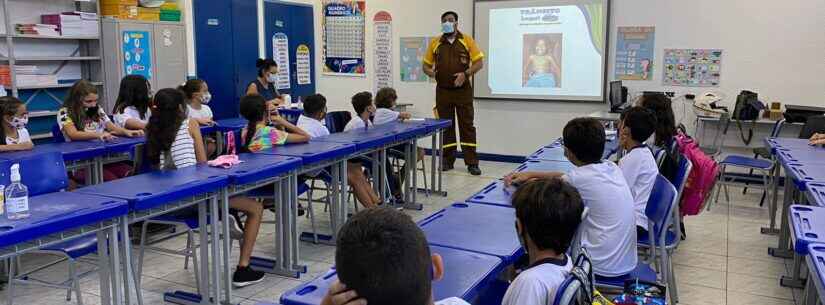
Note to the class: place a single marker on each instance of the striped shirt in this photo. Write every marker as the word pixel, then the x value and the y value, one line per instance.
pixel 182 149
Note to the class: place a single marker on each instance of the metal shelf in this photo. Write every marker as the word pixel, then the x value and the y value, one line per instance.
pixel 30 36
pixel 42 113
pixel 55 86
pixel 55 58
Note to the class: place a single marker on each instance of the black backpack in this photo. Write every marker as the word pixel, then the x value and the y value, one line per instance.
pixel 747 108
pixel 669 163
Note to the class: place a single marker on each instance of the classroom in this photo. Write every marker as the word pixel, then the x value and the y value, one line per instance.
pixel 353 152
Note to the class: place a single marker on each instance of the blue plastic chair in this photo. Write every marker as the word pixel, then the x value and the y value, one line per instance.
pixel 577 287
pixel 659 210
pixel 46 173
pixel 57 134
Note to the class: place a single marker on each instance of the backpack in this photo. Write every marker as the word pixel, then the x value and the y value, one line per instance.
pixel 702 177
pixel 747 108
pixel 669 164
pixel 638 292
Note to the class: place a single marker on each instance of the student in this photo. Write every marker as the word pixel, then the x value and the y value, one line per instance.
pixel 638 165
pixel 264 84
pixel 259 134
pixel 15 117
pixel 548 213
pixel 382 257
pixel 385 101
pixel 608 230
pixel 174 141
pixel 197 97
pixel 662 109
pixel 81 118
pixel 132 106
pixel 315 111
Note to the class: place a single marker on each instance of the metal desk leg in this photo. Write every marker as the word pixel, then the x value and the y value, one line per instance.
pixel 215 229
pixel 440 163
pixel 291 196
pixel 433 168
pixel 412 163
pixel 131 281
pixel 204 295
pixel 783 249
pixel 114 259
pixel 227 248
pixel 98 165
pixel 382 173
pixel 772 230
pixel 795 280
pixel 343 197
pixel 285 241
pixel 218 143
pixel 809 296
pixel 104 271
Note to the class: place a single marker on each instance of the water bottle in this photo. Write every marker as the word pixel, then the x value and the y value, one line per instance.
pixel 17 196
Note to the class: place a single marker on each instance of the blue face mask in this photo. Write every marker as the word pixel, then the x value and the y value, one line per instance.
pixel 448 27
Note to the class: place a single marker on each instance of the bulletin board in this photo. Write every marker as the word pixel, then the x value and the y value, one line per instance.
pixel 343 37
pixel 692 67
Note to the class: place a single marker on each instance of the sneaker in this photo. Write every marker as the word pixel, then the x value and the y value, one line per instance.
pixel 474 170
pixel 245 276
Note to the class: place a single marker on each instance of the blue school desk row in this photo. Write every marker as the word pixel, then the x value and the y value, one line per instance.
pixel 476 238
pixel 108 208
pixel 802 221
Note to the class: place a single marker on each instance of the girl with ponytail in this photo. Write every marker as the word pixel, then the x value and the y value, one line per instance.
pixel 258 134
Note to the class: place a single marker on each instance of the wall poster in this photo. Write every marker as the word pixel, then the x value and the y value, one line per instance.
pixel 383 50
pixel 137 53
pixel 635 52
pixel 692 67
pixel 343 37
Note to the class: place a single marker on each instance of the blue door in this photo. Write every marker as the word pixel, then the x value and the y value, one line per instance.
pixel 296 22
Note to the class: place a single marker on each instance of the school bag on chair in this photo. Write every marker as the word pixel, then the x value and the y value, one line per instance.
pixel 702 177
pixel 747 108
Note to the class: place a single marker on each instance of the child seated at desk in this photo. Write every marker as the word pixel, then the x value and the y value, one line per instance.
pixel 15 117
pixel 608 231
pixel 311 121
pixel 174 141
pixel 197 97
pixel 382 257
pixel 132 109
pixel 385 101
pixel 260 134
pixel 539 203
pixel 82 119
pixel 638 164
pixel 662 109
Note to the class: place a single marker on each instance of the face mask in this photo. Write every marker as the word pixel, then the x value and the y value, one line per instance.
pixel 448 27
pixel 272 78
pixel 92 111
pixel 206 98
pixel 19 122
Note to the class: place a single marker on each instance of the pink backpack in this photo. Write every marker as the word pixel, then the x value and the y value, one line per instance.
pixel 701 179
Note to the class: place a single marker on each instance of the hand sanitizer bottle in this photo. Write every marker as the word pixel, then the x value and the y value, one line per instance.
pixel 17 196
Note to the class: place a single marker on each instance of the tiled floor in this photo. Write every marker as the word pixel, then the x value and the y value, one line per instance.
pixel 723 261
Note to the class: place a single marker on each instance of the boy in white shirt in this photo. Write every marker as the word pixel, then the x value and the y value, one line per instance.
pixel 362 104
pixel 638 164
pixel 382 257
pixel 312 120
pixel 548 213
pixel 608 231
pixel 385 100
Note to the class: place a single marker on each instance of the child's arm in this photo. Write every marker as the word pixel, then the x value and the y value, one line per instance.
pixel 76 135
pixel 404 115
pixel 294 134
pixel 521 178
pixel 205 121
pixel 17 147
pixel 195 132
pixel 117 130
pixel 133 124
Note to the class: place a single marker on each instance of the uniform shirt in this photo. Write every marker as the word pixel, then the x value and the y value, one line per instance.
pixel 608 231
pixel 204 113
pixel 22 137
pixel 88 125
pixel 265 137
pixel 450 58
pixel 131 113
pixel 539 283
pixel 640 171
pixel 313 127
pixel 451 301
pixel 182 150
pixel 385 115
pixel 357 123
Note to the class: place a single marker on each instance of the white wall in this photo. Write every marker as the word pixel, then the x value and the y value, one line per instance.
pixel 773 47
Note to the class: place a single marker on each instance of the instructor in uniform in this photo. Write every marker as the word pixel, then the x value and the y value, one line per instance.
pixel 452 60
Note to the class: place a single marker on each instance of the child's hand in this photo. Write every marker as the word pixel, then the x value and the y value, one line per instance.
pixel 338 294
pixel 207 122
pixel 134 133
pixel 404 116
pixel 106 137
pixel 516 178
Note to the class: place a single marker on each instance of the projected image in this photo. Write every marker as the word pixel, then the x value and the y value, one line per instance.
pixel 542 60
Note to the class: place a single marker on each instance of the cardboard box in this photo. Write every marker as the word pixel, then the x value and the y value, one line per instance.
pixel 120 11
pixel 119 2
pixel 148 14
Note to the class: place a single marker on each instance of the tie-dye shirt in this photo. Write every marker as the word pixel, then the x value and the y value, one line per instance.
pixel 265 137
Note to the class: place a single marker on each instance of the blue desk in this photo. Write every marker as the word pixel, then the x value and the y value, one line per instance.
pixel 544 166
pixel 77 155
pixel 551 152
pixel 313 152
pixel 494 193
pixel 807 226
pixel 478 228
pixel 363 139
pixel 776 143
pixel 816 194
pixel 816 274
pixel 465 275
pixel 808 154
pixel 156 193
pixel 123 145
pixel 234 124
pixel 60 217
pixel 804 172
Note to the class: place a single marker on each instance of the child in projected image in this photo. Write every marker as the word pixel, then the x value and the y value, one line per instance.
pixel 541 67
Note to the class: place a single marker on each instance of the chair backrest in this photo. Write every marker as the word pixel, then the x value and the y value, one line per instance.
pixel 659 156
pixel 685 166
pixel 577 288
pixel 715 148
pixel 57 134
pixel 660 207
pixel 815 124
pixel 337 120
pixel 777 128
pixel 567 291
pixel 40 172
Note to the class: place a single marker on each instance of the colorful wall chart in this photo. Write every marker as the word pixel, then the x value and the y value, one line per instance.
pixel 137 53
pixel 303 65
pixel 634 52
pixel 412 51
pixel 692 67
pixel 280 53
pixel 383 50
pixel 343 37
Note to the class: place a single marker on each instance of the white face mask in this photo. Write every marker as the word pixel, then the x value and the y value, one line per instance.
pixel 206 98
pixel 448 27
pixel 19 122
pixel 272 78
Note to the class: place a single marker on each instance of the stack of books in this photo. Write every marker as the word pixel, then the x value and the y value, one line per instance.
pixel 74 23
pixel 31 76
pixel 5 75
pixel 37 29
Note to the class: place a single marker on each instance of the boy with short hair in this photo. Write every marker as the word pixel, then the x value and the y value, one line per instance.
pixel 312 120
pixel 548 213
pixel 638 165
pixel 382 258
pixel 385 100
pixel 608 230
pixel 362 104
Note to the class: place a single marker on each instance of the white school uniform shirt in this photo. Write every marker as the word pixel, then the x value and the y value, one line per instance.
pixel 131 113
pixel 204 113
pixel 539 283
pixel 608 232
pixel 313 127
pixel 452 301
pixel 22 137
pixel 357 123
pixel 640 170
pixel 385 115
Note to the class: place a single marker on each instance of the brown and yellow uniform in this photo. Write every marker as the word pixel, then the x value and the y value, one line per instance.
pixel 447 59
